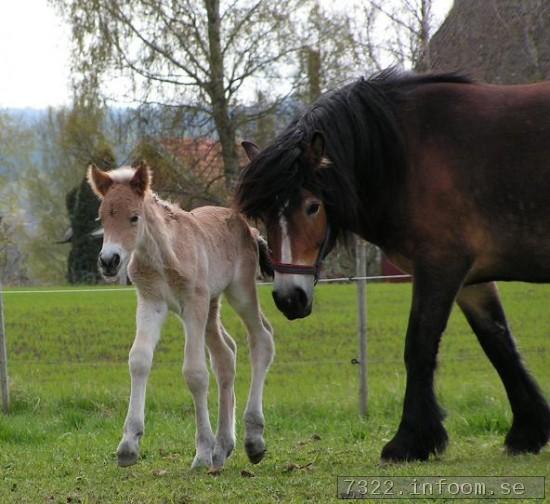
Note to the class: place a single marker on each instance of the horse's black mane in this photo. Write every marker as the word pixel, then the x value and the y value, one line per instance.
pixel 364 143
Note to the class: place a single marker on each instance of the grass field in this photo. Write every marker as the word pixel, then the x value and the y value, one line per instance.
pixel 70 384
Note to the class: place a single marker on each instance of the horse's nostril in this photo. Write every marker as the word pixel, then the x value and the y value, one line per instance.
pixel 109 262
pixel 115 261
pixel 301 297
pixel 102 261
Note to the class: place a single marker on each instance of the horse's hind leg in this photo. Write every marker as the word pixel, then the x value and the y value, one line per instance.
pixel 222 351
pixel 150 317
pixel 242 296
pixel 531 425
pixel 195 372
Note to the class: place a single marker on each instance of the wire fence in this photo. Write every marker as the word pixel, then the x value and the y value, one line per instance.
pixel 37 363
pixel 130 289
pixel 361 279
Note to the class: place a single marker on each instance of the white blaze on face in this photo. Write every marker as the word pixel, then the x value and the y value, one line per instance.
pixel 287 282
pixel 286 250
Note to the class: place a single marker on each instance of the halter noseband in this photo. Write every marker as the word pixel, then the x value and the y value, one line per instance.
pixel 300 269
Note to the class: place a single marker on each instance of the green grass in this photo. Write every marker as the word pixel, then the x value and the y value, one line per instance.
pixel 70 384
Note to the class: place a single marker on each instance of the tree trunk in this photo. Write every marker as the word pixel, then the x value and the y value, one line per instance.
pixel 216 90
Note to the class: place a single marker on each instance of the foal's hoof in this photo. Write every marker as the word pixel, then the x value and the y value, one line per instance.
pixel 407 447
pixel 126 454
pixel 222 451
pixel 202 460
pixel 255 450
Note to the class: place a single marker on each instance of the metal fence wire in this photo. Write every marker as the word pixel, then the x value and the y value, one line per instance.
pixel 360 279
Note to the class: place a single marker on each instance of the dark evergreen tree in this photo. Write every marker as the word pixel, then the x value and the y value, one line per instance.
pixel 82 207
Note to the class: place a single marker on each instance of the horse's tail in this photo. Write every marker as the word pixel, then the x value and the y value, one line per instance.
pixel 264 259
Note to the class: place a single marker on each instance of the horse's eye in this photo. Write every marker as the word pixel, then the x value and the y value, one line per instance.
pixel 134 219
pixel 313 208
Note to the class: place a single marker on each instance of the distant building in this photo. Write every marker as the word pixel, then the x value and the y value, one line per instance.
pixel 495 41
pixel 203 156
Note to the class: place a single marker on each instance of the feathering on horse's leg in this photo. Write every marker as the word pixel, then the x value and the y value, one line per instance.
pixel 150 317
pixel 223 360
pixel 195 372
pixel 421 430
pixel 243 297
pixel 530 429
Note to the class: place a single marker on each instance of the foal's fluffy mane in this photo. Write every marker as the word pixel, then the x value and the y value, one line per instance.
pixel 122 175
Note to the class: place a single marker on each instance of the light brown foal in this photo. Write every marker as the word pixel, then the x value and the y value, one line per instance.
pixel 183 262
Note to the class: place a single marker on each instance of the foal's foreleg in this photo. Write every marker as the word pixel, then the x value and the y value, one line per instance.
pixel 421 431
pixel 150 317
pixel 531 426
pixel 195 373
pixel 262 350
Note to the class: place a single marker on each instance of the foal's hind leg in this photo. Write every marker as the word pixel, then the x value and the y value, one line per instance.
pixel 531 425
pixel 222 351
pixel 242 296
pixel 195 372
pixel 150 317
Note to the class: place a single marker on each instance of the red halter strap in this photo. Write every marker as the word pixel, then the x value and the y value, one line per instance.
pixel 300 269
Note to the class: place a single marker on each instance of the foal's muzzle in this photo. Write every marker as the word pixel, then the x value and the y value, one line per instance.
pixel 293 303
pixel 109 264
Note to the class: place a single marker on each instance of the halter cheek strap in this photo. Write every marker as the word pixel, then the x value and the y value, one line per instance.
pixel 300 269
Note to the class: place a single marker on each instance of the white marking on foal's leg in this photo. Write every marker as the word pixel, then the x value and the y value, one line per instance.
pixel 150 317
pixel 195 373
pixel 262 351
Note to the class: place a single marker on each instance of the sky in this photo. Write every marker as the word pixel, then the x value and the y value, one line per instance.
pixel 35 54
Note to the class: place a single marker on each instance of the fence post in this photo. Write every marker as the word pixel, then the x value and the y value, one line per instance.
pixel 4 384
pixel 361 271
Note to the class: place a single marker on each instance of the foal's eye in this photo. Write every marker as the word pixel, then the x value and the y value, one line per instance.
pixel 313 208
pixel 134 219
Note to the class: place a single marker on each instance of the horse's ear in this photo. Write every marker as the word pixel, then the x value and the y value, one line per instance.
pixel 141 181
pixel 251 149
pixel 314 153
pixel 318 147
pixel 99 180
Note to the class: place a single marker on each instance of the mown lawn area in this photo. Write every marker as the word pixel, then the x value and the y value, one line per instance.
pixel 70 386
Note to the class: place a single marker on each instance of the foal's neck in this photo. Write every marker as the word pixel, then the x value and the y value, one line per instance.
pixel 154 248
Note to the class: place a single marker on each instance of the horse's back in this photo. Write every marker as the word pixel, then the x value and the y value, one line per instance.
pixel 229 245
pixel 480 159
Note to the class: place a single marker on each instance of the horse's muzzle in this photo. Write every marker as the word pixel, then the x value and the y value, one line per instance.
pixel 109 264
pixel 294 304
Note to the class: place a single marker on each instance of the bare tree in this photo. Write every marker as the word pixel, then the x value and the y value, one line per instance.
pixel 204 56
pixel 395 33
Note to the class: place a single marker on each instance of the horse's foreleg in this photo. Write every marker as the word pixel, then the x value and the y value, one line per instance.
pixel 531 426
pixel 222 351
pixel 421 431
pixel 262 350
pixel 150 317
pixel 195 373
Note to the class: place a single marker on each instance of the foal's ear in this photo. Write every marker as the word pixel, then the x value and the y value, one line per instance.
pixel 251 149
pixel 141 181
pixel 315 151
pixel 99 180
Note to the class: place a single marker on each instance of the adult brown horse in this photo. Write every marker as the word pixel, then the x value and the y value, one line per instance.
pixel 451 179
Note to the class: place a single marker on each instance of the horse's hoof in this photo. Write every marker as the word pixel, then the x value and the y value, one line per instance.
pixel 222 451
pixel 201 461
pixel 126 454
pixel 407 447
pixel 529 435
pixel 255 450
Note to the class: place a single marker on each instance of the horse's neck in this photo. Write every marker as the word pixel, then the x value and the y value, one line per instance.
pixel 154 247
